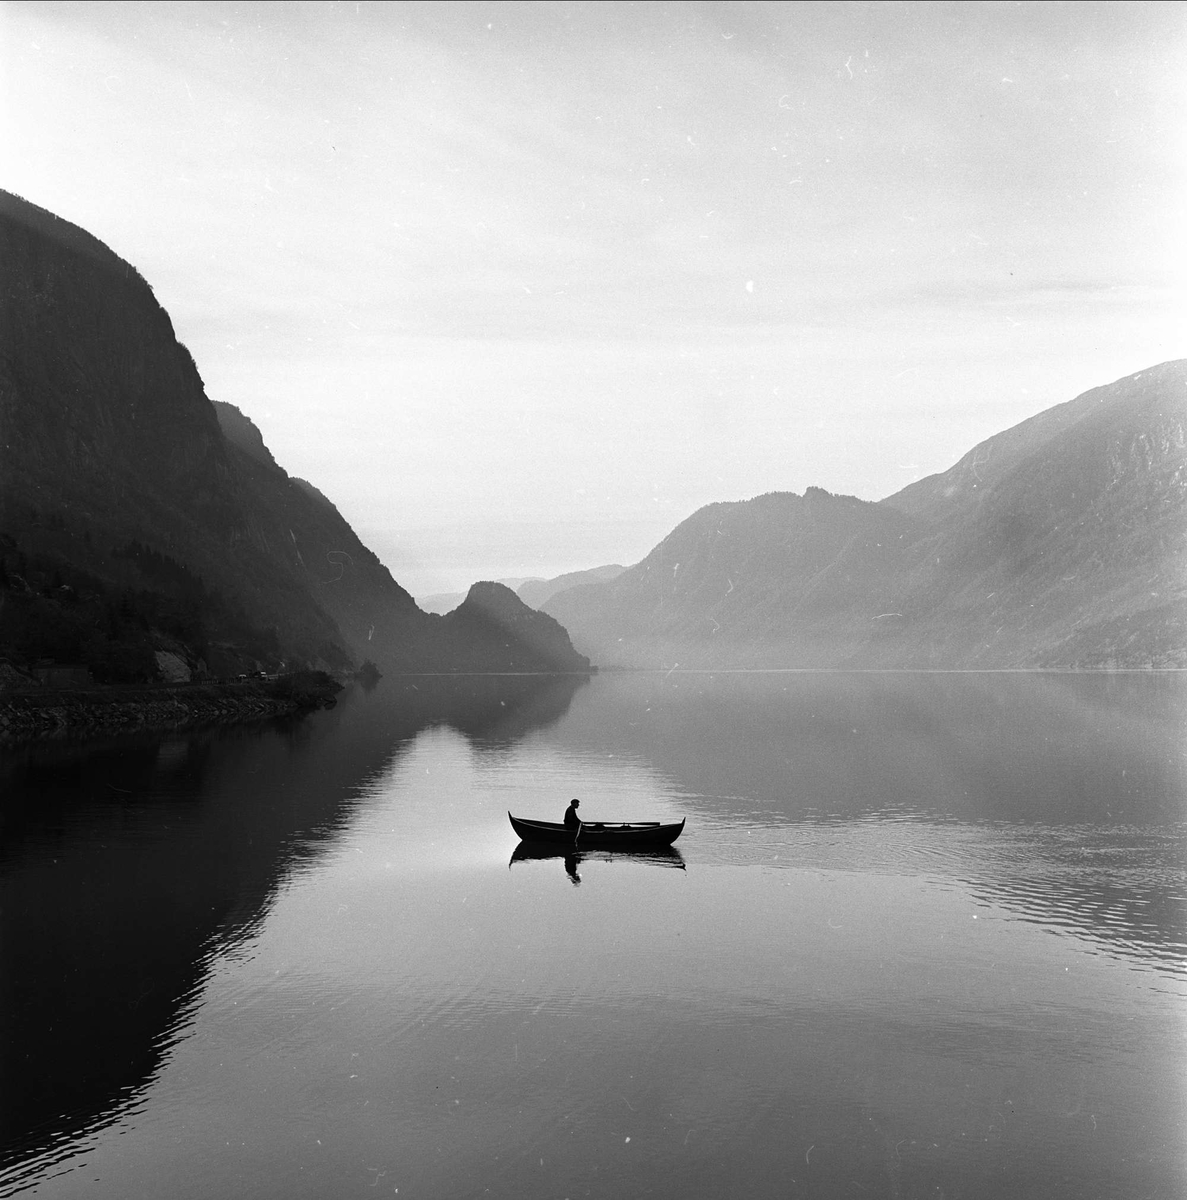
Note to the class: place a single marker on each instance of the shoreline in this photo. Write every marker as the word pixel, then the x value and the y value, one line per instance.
pixel 34 714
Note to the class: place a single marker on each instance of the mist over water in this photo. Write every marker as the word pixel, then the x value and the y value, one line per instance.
pixel 922 933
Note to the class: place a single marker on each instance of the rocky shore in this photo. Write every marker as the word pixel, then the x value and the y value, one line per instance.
pixel 29 714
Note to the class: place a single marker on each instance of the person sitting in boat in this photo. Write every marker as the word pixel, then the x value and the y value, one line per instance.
pixel 572 820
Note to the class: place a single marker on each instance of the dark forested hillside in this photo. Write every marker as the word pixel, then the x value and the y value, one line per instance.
pixel 1060 542
pixel 134 518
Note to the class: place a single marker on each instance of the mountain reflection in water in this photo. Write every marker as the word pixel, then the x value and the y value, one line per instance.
pixel 931 939
pixel 1062 794
pixel 128 867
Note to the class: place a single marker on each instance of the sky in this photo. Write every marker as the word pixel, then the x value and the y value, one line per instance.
pixel 522 286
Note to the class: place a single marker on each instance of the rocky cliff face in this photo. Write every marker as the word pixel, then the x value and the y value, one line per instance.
pixel 135 517
pixel 1060 542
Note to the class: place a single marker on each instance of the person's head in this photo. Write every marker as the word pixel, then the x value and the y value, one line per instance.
pixel 576 803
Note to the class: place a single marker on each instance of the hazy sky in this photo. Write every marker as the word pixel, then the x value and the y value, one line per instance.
pixel 520 286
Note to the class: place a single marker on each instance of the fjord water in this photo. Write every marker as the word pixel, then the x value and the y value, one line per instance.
pixel 923 935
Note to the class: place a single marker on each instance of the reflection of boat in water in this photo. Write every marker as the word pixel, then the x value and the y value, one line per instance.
pixel 656 856
pixel 605 835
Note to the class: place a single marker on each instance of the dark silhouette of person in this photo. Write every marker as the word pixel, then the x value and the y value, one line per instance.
pixel 572 820
pixel 571 861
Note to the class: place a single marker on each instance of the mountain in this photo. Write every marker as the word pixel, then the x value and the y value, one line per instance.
pixel 493 617
pixel 1059 542
pixel 1062 541
pixel 736 583
pixel 535 593
pixel 446 602
pixel 137 517
pixel 217 855
pixel 375 617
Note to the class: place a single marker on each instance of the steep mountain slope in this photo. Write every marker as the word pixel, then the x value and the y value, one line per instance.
pixel 376 617
pixel 134 515
pixel 1060 542
pixel 1146 398
pixel 108 439
pixel 1072 550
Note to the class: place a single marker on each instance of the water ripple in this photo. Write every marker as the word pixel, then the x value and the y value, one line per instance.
pixel 1122 887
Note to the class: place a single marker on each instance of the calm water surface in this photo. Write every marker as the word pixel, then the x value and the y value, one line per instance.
pixel 924 935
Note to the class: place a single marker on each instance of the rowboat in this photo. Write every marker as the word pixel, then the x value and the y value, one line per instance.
pixel 603 834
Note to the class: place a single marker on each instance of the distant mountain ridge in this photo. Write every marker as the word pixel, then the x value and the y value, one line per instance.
pixel 137 516
pixel 535 593
pixel 1059 542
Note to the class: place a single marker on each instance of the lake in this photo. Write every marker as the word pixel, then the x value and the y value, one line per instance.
pixel 923 935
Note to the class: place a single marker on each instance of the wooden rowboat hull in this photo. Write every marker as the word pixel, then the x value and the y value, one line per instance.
pixel 605 835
